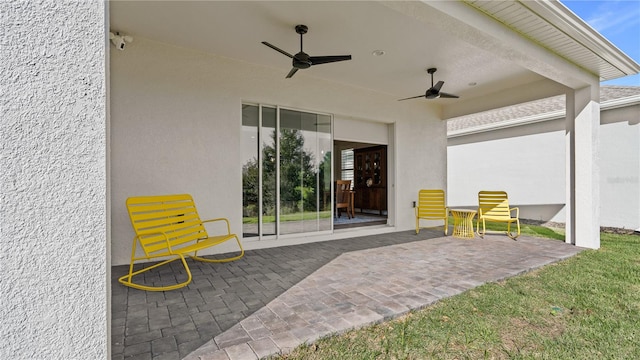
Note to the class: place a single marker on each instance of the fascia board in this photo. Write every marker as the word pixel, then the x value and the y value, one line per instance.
pixel 564 19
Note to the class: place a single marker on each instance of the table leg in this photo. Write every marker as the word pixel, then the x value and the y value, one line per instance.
pixel 463 225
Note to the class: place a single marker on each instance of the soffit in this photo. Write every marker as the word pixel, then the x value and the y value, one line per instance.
pixel 235 30
pixel 560 31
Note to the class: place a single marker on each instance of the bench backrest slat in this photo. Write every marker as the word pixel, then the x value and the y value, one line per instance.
pixel 494 204
pixel 172 215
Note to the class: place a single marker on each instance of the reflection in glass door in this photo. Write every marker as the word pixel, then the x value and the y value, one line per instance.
pixel 286 171
pixel 250 171
pixel 305 158
pixel 269 171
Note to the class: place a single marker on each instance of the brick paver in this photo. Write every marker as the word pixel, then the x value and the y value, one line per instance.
pixel 275 299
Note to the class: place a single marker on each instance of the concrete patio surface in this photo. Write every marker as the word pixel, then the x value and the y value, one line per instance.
pixel 273 300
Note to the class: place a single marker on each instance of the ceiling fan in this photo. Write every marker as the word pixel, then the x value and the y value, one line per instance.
pixel 302 60
pixel 434 91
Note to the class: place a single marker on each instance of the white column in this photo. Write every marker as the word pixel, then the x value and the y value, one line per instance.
pixel 583 171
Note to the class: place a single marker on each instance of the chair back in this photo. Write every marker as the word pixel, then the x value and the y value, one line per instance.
pixel 343 189
pixel 157 220
pixel 494 204
pixel 431 204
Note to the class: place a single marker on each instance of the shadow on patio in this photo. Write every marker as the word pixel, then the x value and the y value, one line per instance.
pixel 275 299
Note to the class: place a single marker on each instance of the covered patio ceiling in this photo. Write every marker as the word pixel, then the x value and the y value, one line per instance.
pixel 477 56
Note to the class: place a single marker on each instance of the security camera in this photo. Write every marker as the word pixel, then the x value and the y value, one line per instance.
pixel 120 40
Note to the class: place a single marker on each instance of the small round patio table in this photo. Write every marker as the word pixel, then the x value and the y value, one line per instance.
pixel 463 223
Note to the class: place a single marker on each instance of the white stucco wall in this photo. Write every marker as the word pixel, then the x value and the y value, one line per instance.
pixel 529 163
pixel 176 121
pixel 620 167
pixel 53 221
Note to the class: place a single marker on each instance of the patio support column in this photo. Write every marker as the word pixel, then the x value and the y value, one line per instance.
pixel 583 171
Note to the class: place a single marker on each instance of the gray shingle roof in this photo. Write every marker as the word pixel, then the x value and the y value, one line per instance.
pixel 537 107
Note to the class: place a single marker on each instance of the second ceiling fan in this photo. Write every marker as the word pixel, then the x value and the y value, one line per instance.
pixel 434 91
pixel 302 60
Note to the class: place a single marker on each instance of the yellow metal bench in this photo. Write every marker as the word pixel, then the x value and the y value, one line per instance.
pixel 494 206
pixel 431 206
pixel 168 226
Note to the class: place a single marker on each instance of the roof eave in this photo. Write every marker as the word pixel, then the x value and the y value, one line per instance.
pixel 564 19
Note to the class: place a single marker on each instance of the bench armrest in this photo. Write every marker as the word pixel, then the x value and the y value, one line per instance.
pixel 166 239
pixel 517 212
pixel 220 219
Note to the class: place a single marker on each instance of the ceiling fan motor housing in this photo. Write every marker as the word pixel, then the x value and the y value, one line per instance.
pixel 301 61
pixel 431 94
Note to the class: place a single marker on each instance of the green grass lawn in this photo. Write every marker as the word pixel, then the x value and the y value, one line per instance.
pixel 586 307
pixel 289 217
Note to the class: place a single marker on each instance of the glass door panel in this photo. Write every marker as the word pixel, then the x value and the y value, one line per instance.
pixel 324 165
pixel 294 175
pixel 287 171
pixel 250 171
pixel 269 172
pixel 305 146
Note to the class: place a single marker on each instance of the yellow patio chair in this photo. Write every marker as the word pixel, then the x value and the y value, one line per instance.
pixel 431 206
pixel 168 227
pixel 494 206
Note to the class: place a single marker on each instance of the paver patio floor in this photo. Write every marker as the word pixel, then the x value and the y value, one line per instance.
pixel 274 299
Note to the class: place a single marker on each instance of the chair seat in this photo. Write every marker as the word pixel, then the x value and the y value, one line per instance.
pixel 205 243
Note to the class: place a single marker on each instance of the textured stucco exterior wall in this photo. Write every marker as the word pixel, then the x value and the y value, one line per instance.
pixel 531 168
pixel 176 117
pixel 527 162
pixel 53 290
pixel 620 167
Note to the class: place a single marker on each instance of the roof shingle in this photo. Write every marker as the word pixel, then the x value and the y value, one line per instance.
pixel 537 107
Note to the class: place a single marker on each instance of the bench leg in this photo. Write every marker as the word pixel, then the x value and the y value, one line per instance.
pixel 196 257
pixel 127 280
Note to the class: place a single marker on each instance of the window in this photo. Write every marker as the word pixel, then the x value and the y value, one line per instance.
pixel 346 167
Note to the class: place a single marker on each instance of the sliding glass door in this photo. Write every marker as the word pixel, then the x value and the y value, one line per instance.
pixel 286 171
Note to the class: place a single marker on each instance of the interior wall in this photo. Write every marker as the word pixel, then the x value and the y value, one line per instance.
pixel 361 131
pixel 356 134
pixel 176 123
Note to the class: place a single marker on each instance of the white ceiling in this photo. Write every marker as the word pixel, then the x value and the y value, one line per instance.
pixel 236 30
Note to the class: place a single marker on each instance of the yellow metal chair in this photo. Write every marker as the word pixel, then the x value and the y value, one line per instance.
pixel 431 206
pixel 494 206
pixel 169 227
